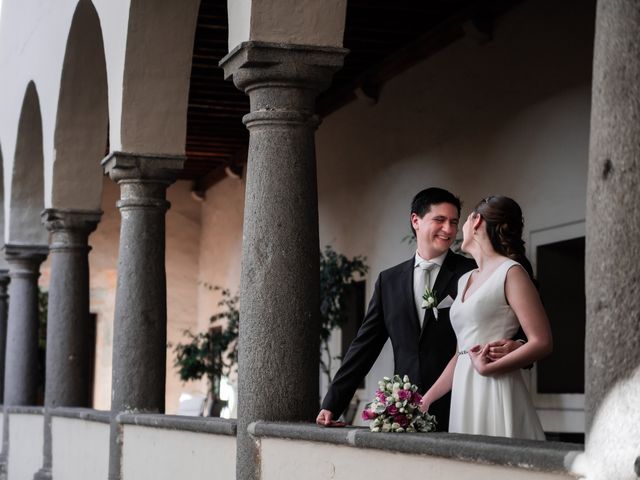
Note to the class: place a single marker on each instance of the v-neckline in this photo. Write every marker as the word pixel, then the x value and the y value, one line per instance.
pixel 464 297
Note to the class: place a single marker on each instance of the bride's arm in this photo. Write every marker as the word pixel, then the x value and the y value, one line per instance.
pixel 442 386
pixel 526 304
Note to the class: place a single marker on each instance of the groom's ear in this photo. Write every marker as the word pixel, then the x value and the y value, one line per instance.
pixel 414 221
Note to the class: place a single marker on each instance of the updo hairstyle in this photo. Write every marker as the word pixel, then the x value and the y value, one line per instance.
pixel 503 217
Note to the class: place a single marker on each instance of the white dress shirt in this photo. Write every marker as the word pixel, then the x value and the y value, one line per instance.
pixel 418 280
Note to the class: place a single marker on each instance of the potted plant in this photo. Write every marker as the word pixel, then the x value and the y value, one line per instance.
pixel 212 353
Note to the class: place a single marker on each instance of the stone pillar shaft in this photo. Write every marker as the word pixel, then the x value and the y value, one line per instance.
pixel 140 325
pixel 67 379
pixel 4 304
pixel 21 358
pixel 68 310
pixel 20 385
pixel 612 360
pixel 279 292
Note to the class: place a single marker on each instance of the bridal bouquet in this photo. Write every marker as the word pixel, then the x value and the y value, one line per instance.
pixel 395 408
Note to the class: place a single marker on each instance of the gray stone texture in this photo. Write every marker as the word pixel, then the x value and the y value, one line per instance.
pixel 67 379
pixel 279 310
pixel 88 414
pixel 140 324
pixel 20 382
pixel 4 304
pixel 211 425
pixel 613 249
pixel 20 374
pixel 67 382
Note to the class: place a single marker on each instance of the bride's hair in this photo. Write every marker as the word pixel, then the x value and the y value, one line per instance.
pixel 503 217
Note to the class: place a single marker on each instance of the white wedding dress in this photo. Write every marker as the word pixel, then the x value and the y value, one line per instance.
pixel 496 405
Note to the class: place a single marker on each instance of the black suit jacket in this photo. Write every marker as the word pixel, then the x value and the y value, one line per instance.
pixel 420 353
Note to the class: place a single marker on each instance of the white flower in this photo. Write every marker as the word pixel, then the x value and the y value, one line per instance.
pixel 407 386
pixel 386 427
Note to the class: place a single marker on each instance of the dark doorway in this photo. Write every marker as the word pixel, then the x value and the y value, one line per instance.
pixel 560 268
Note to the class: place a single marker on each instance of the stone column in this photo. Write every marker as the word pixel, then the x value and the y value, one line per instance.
pixel 279 292
pixel 20 382
pixel 21 360
pixel 4 303
pixel 67 379
pixel 613 228
pixel 140 325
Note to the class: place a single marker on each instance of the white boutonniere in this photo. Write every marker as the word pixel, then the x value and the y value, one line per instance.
pixel 430 300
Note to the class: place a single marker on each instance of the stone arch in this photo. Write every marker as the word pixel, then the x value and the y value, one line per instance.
pixel 82 121
pixel 156 77
pixel 27 179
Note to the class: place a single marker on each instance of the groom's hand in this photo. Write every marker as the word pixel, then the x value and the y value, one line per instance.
pixel 324 418
pixel 500 348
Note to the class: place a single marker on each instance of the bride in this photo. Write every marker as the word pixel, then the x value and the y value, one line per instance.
pixel 489 397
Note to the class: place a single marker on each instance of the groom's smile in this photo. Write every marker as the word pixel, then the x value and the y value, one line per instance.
pixel 436 230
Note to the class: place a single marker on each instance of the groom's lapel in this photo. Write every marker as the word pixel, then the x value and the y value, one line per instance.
pixel 409 301
pixel 440 287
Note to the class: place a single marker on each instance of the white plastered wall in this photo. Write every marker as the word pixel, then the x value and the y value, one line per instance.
pixel 302 22
pixel 508 117
pixel 33 40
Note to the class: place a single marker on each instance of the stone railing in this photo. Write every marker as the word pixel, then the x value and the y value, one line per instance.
pixel 26 435
pixel 288 449
pixel 80 443
pixel 167 447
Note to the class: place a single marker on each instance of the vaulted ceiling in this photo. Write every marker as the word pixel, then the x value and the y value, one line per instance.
pixel 384 38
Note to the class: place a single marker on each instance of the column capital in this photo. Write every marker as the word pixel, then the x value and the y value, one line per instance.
pixel 280 61
pixel 127 166
pixel 282 80
pixel 19 251
pixel 24 260
pixel 70 228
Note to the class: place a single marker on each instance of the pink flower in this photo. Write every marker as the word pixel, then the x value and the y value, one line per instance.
pixel 392 410
pixel 417 398
pixel 404 394
pixel 401 419
pixel 368 415
pixel 381 396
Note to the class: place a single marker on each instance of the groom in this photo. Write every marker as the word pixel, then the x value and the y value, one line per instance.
pixel 422 344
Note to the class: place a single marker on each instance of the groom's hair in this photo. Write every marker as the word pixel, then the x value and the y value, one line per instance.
pixel 422 202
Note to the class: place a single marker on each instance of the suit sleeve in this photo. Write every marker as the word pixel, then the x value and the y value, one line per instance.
pixel 360 357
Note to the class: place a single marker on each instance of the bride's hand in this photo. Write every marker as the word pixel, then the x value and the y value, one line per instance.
pixel 480 359
pixel 424 404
